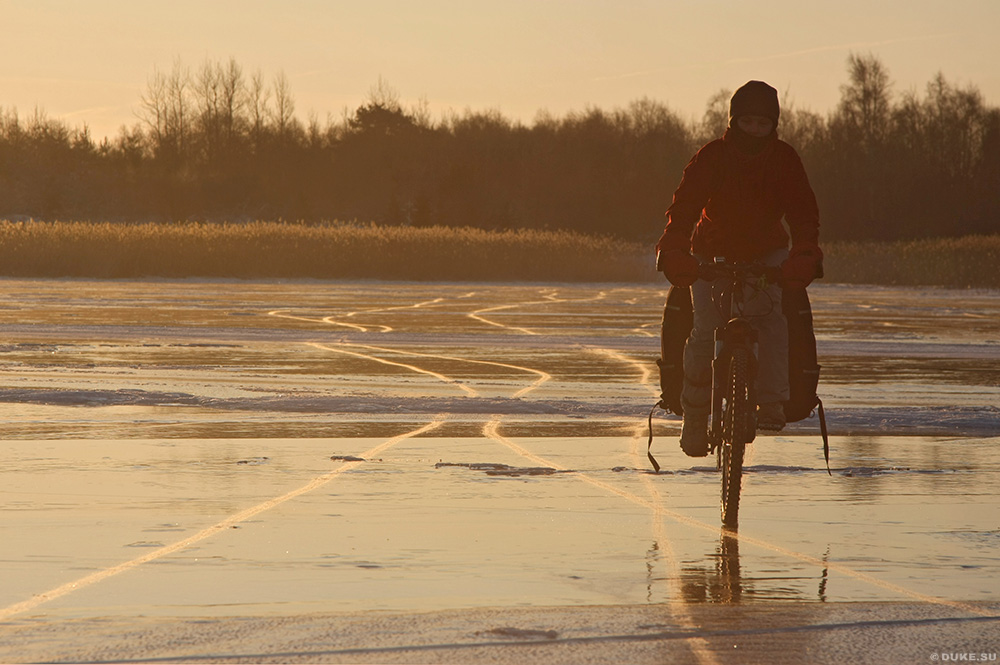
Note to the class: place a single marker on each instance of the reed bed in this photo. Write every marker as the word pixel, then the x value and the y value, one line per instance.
pixel 322 251
pixel 366 251
pixel 966 262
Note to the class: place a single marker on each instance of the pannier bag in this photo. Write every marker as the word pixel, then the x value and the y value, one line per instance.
pixel 803 368
pixel 678 319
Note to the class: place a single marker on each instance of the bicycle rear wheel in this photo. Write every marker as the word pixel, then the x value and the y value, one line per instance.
pixel 737 431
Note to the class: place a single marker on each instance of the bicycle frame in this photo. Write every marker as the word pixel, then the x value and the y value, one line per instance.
pixel 734 374
pixel 735 333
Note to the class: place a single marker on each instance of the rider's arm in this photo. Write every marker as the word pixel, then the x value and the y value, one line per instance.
pixel 689 200
pixel 801 210
pixel 805 261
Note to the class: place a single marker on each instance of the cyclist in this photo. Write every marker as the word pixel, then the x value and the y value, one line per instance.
pixel 730 203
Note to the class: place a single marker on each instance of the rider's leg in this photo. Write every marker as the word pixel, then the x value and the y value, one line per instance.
pixel 696 396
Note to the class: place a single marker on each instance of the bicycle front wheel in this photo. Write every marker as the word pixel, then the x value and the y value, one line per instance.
pixel 738 430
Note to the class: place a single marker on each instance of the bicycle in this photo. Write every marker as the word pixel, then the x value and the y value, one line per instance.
pixel 734 373
pixel 733 401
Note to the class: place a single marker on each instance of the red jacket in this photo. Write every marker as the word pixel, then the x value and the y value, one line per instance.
pixel 738 200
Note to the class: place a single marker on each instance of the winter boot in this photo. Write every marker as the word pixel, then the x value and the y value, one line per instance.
pixel 694 434
pixel 771 416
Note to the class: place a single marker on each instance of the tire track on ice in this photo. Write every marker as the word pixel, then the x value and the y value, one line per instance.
pixel 548 300
pixel 280 313
pixel 542 376
pixel 334 320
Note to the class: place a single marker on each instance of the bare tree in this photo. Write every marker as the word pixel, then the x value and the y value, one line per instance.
pixel 178 107
pixel 153 105
pixel 208 96
pixel 956 126
pixel 421 113
pixel 865 103
pixel 859 130
pixel 383 96
pixel 716 118
pixel 164 108
pixel 283 110
pixel 258 98
pixel 233 101
pixel 646 117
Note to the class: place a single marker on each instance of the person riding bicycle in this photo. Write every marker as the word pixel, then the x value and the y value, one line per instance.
pixel 730 203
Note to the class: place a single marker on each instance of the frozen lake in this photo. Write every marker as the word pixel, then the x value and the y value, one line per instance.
pixel 264 449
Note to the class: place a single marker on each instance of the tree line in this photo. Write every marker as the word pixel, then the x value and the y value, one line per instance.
pixel 218 144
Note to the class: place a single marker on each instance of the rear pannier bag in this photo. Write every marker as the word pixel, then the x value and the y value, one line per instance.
pixel 803 368
pixel 678 319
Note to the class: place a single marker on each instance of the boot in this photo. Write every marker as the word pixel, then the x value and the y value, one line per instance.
pixel 771 416
pixel 694 434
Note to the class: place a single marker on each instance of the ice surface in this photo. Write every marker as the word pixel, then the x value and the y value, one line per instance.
pixel 138 414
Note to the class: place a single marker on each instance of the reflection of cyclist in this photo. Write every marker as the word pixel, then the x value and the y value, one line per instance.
pixel 733 195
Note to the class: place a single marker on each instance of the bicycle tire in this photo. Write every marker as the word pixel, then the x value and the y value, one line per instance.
pixel 737 432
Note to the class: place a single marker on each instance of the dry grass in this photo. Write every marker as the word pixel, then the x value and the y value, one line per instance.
pixel 967 262
pixel 326 251
pixel 353 251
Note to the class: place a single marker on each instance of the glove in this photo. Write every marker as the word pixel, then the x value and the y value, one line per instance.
pixel 803 265
pixel 678 266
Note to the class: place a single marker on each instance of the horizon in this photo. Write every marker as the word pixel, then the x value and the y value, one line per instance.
pixel 88 64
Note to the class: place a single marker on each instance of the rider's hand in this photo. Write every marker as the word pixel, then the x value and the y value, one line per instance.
pixel 678 266
pixel 801 267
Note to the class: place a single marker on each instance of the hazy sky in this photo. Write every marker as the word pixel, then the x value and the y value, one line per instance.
pixel 87 61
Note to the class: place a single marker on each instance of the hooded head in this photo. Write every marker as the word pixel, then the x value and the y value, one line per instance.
pixel 755 98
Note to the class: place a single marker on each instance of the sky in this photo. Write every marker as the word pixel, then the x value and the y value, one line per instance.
pixel 87 62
